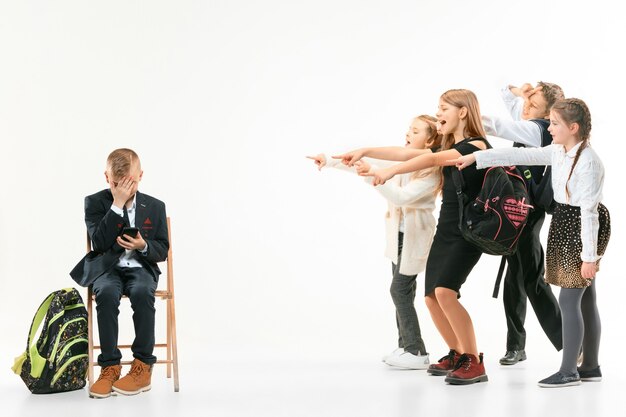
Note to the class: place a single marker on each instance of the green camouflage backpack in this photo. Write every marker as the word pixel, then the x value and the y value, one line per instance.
pixel 58 360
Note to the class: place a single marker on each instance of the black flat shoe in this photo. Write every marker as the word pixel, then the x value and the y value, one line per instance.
pixel 560 380
pixel 511 357
pixel 593 375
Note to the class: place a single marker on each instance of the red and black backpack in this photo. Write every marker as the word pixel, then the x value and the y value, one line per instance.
pixel 494 220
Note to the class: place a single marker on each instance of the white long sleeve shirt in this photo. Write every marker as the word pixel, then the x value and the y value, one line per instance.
pixel 514 104
pixel 585 185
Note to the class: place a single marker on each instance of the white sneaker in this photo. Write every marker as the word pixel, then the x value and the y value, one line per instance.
pixel 396 352
pixel 407 360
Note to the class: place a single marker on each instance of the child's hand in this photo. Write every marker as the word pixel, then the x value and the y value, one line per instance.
pixel 381 176
pixel 320 161
pixel 524 91
pixel 527 90
pixel 350 158
pixel 464 161
pixel 535 90
pixel 588 270
pixel 132 243
pixel 123 190
pixel 362 167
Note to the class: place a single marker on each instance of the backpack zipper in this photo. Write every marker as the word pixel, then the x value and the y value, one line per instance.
pixel 60 314
pixel 69 345
pixel 58 374
pixel 56 343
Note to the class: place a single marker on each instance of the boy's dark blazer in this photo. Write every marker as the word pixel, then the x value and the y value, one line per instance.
pixel 104 226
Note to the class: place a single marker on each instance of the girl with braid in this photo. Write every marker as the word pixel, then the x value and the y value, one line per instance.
pixel 579 231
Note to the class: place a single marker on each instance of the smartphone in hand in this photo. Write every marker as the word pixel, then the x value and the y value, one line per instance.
pixel 130 231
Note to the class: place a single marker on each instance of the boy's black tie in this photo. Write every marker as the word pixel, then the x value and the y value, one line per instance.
pixel 126 219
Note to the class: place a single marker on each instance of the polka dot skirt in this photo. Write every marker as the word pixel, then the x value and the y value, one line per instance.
pixel 564 246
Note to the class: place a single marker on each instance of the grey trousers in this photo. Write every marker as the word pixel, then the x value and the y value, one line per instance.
pixel 403 295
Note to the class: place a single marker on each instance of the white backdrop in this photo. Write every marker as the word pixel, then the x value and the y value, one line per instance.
pixel 222 100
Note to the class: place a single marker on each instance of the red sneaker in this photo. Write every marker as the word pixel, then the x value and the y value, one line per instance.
pixel 445 364
pixel 467 370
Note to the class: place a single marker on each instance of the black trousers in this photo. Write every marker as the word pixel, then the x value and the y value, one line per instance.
pixel 139 285
pixel 524 279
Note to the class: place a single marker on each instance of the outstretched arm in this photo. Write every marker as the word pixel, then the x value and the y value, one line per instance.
pixel 415 164
pixel 507 156
pixel 390 153
pixel 323 160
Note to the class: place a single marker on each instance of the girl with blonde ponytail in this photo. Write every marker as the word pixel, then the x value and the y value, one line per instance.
pixel 410 225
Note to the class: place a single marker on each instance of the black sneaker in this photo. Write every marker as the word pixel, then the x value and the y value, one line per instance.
pixel 559 380
pixel 593 375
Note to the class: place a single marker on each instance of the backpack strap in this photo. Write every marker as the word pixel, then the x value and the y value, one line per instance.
pixel 37 361
pixel 496 287
pixel 459 184
pixel 457 177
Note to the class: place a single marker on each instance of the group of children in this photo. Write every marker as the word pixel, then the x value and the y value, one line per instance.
pixel 549 130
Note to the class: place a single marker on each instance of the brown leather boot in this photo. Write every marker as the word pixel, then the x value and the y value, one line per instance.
pixel 102 388
pixel 137 380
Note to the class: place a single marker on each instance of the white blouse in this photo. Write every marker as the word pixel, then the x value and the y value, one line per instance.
pixel 585 185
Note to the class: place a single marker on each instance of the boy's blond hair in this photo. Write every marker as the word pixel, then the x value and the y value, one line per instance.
pixel 120 161
pixel 551 92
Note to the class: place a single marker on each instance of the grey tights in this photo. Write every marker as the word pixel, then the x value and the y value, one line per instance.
pixel 581 327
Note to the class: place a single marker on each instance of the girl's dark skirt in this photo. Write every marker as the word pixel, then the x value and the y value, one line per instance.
pixel 563 260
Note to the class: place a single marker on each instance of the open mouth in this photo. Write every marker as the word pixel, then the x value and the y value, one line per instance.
pixel 440 124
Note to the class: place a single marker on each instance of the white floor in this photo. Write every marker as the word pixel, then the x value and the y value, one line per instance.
pixel 347 388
